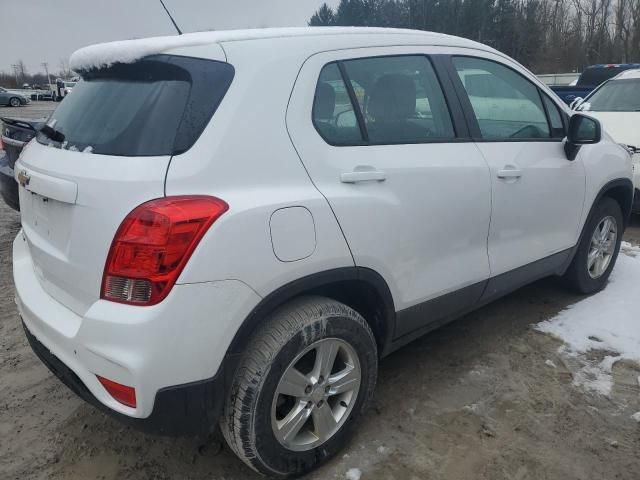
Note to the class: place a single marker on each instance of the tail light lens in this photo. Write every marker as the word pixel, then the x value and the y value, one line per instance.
pixel 122 393
pixel 152 246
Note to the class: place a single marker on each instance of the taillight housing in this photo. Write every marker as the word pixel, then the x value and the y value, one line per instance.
pixel 152 246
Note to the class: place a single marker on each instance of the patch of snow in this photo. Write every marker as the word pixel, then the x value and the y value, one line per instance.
pixel 353 474
pixel 382 450
pixel 549 363
pixel 471 408
pixel 636 417
pixel 606 321
pixel 88 149
pixel 128 51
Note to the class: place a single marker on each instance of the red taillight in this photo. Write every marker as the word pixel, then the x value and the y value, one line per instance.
pixel 122 393
pixel 152 246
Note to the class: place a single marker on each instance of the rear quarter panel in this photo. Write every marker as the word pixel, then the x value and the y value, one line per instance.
pixel 246 158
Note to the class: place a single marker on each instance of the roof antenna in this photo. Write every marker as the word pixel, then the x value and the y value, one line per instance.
pixel 171 18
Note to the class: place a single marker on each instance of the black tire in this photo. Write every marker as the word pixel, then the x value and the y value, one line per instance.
pixel 246 423
pixel 15 102
pixel 577 276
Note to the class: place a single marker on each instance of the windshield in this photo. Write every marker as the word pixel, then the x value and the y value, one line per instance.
pixel 69 84
pixel 615 96
pixel 157 106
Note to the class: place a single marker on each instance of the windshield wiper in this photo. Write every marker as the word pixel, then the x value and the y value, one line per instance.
pixel 52 134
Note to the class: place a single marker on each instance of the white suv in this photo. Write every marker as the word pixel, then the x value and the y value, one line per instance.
pixel 232 228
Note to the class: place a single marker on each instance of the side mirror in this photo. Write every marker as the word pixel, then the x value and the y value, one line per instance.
pixel 583 130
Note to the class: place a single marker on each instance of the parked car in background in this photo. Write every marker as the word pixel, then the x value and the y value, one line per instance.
pixel 15 135
pixel 241 252
pixel 42 95
pixel 12 99
pixel 616 103
pixel 590 79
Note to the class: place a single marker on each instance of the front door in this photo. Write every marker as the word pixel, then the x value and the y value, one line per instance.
pixel 538 194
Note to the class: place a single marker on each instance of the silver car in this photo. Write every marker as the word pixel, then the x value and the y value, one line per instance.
pixel 11 98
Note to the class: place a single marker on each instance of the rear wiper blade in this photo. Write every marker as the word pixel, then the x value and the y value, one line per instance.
pixel 52 134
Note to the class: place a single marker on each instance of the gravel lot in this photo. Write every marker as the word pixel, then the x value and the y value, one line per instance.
pixel 473 400
pixel 33 110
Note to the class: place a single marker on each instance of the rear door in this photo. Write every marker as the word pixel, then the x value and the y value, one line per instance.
pixel 105 150
pixel 538 194
pixel 412 194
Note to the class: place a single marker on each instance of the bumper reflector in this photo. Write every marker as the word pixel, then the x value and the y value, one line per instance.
pixel 122 393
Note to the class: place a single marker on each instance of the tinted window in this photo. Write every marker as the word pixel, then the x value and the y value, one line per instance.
pixel 400 99
pixel 555 117
pixel 157 106
pixel 333 114
pixel 594 76
pixel 518 114
pixel 615 96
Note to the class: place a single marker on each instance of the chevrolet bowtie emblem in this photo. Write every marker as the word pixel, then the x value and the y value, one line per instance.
pixel 23 178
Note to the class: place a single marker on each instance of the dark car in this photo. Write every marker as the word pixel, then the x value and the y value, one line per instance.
pixel 590 79
pixel 11 98
pixel 15 135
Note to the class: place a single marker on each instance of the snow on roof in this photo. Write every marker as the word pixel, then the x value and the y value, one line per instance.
pixel 128 51
pixel 627 74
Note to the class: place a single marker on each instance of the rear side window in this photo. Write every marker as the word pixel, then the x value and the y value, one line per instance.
pixel 388 100
pixel 157 106
pixel 333 113
pixel 509 111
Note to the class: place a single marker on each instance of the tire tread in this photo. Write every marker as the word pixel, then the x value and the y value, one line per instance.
pixel 254 367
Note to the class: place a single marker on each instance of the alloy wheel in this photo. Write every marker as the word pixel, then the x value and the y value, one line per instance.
pixel 602 247
pixel 316 394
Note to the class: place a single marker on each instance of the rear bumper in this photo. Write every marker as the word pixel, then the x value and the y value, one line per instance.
pixel 8 184
pixel 173 353
pixel 190 409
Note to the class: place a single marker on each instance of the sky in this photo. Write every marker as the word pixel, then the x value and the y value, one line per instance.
pixel 37 31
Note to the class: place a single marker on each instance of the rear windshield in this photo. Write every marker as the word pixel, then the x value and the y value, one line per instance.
pixel 615 96
pixel 592 77
pixel 157 106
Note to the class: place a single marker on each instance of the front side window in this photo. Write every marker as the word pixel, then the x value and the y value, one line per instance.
pixel 397 100
pixel 615 96
pixel 505 104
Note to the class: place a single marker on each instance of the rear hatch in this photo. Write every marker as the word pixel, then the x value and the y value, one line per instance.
pixel 104 151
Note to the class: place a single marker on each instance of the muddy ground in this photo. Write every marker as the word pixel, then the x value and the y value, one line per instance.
pixel 473 400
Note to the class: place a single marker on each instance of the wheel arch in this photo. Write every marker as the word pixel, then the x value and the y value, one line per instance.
pixel 360 288
pixel 620 190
